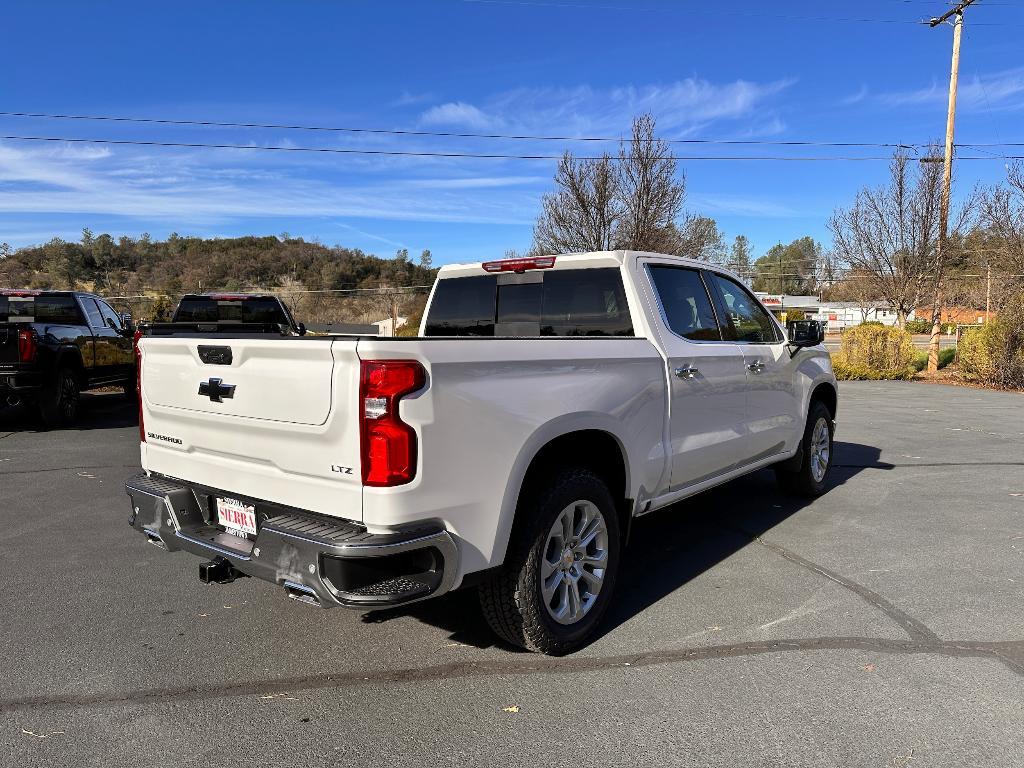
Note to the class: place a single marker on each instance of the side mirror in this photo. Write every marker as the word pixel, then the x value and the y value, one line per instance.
pixel 805 333
pixel 301 329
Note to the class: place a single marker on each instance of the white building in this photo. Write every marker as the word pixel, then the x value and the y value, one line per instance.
pixel 384 326
pixel 839 315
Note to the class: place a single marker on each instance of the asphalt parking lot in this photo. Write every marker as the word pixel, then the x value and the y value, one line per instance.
pixel 880 625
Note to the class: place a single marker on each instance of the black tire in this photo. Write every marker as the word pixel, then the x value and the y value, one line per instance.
pixel 131 392
pixel 802 474
pixel 59 402
pixel 512 600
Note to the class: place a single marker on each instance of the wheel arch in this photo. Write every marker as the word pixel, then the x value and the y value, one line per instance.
pixel 825 392
pixel 592 443
pixel 70 356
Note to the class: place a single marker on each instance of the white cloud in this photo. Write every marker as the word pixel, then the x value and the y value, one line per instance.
pixel 370 235
pixel 477 182
pixel 681 107
pixel 187 190
pixel 997 91
pixel 855 98
pixel 406 99
pixel 457 114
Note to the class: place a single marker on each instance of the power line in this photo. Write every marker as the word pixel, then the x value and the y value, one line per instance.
pixel 445 134
pixel 716 12
pixel 386 290
pixel 453 155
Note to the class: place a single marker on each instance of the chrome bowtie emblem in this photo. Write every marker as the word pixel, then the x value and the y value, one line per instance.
pixel 216 390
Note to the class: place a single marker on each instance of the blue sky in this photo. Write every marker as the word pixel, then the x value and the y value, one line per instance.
pixel 731 69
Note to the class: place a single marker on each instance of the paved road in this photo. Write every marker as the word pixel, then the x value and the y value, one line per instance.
pixel 880 625
pixel 920 342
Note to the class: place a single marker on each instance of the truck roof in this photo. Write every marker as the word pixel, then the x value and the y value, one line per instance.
pixel 575 261
pixel 228 295
pixel 27 292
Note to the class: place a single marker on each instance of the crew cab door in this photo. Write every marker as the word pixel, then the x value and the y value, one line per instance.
pixel 113 349
pixel 706 376
pixel 772 403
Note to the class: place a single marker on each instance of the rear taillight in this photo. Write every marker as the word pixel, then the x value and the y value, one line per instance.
pixel 27 345
pixel 388 444
pixel 138 381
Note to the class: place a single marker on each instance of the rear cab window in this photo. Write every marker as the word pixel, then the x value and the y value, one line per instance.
pixel 56 309
pixel 235 309
pixel 568 302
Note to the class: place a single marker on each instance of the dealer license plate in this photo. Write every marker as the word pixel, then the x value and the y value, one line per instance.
pixel 236 517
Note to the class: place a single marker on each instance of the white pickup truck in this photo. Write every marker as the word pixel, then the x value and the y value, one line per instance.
pixel 546 404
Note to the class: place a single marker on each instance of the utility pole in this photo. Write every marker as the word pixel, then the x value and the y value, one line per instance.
pixel 947 177
pixel 988 291
pixel 781 292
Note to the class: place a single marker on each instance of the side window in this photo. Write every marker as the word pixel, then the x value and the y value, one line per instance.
pixel 750 322
pixel 585 302
pixel 463 306
pixel 92 312
pixel 108 314
pixel 686 303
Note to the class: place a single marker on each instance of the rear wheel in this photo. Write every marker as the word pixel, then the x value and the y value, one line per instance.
pixel 130 390
pixel 809 476
pixel 59 402
pixel 560 569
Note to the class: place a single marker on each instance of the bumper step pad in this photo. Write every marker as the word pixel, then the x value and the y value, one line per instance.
pixel 331 561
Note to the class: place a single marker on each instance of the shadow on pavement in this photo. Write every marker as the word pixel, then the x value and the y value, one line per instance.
pixel 98 410
pixel 667 549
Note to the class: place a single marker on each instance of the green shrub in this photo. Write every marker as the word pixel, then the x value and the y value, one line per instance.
pixel 412 324
pixel 919 326
pixel 946 356
pixel 994 353
pixel 874 351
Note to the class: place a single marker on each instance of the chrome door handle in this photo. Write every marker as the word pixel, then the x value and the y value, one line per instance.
pixel 686 373
pixel 756 367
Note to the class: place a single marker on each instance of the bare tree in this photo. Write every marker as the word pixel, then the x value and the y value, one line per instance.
pixel 650 196
pixel 581 214
pixel 857 287
pixel 630 201
pixel 740 259
pixel 699 238
pixel 1002 212
pixel 891 234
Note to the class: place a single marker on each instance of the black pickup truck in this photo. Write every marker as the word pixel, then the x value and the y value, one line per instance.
pixel 55 344
pixel 233 308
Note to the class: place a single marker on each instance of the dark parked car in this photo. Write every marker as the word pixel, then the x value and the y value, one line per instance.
pixel 55 344
pixel 233 308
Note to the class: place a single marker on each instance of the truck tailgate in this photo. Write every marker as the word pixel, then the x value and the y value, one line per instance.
pixel 277 422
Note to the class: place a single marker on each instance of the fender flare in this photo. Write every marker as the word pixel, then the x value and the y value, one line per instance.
pixel 552 430
pixel 70 355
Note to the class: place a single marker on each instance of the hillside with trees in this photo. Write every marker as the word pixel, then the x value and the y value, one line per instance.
pixel 322 283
